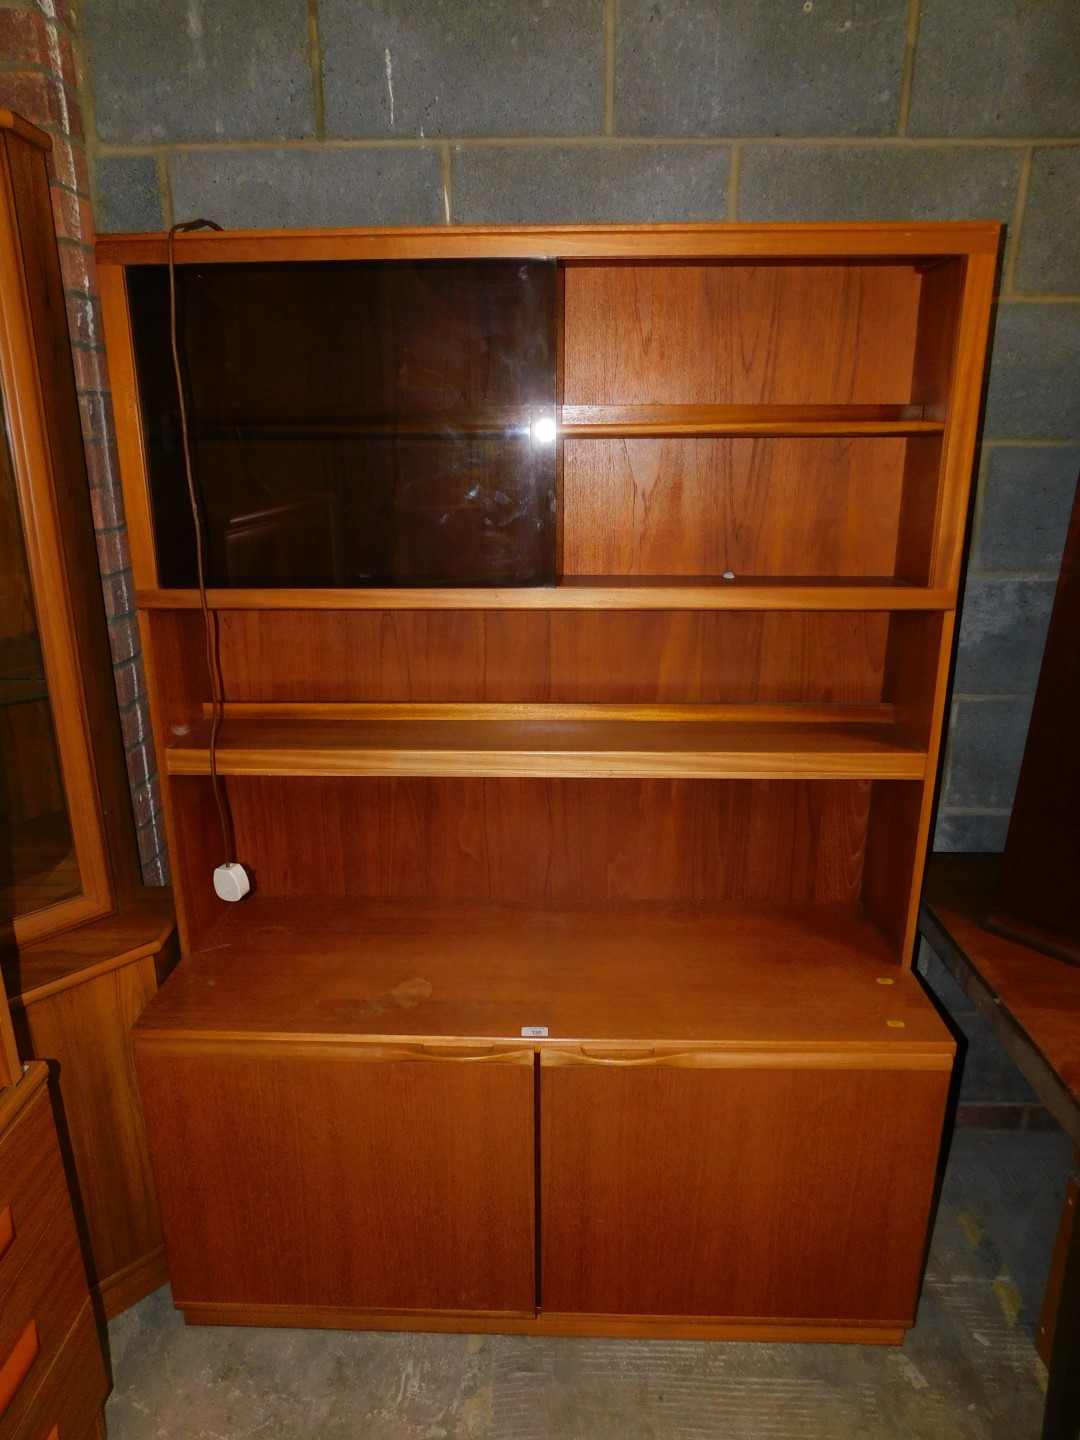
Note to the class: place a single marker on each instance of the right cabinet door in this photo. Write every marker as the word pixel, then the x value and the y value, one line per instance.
pixel 741 1188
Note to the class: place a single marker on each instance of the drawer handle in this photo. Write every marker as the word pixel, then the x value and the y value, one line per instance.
pixel 18 1363
pixel 7 1230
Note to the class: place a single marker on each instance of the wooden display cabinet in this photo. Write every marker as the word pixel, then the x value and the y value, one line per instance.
pixel 584 766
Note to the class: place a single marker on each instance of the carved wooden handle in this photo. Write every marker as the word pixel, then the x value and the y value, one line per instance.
pixel 17 1365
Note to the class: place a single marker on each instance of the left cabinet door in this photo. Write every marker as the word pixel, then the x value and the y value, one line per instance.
pixel 343 1179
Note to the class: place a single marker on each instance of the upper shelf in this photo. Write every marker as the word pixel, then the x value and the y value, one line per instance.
pixel 565 747
pixel 578 422
pixel 584 592
pixel 604 421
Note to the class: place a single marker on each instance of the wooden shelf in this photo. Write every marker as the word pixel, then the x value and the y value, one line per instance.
pixel 784 978
pixel 579 422
pixel 586 592
pixel 568 747
pixel 595 422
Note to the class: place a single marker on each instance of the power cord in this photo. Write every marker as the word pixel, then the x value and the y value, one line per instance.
pixel 231 880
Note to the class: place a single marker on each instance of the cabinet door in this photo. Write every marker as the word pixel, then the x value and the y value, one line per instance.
pixel 381 1179
pixel 735 1187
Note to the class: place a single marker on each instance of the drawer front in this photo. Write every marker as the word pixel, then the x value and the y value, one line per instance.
pixel 69 1396
pixel 33 1187
pixel 48 1295
pixel 736 1192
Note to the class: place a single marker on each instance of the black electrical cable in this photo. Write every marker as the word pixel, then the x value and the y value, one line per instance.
pixel 213 664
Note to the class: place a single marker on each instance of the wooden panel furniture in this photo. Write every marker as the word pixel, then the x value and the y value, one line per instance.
pixel 1037 901
pixel 72 903
pixel 573 993
pixel 1031 1003
pixel 52 1373
pixel 74 998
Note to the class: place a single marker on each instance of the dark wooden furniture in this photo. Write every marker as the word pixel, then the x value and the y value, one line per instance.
pixel 52 1374
pixel 1037 900
pixel 1031 1003
pixel 583 909
pixel 72 904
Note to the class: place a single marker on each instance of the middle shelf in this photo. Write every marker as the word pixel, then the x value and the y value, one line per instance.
pixel 573 741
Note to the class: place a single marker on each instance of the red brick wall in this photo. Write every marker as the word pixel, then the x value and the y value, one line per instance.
pixel 39 80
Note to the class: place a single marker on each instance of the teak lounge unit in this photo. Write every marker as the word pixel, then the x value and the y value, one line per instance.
pixel 584 601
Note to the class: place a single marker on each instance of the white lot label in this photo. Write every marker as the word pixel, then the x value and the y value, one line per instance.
pixel 534 1031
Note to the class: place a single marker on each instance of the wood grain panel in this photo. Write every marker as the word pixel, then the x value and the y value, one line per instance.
pixel 792 1194
pixel 753 507
pixel 580 747
pixel 615 421
pixel 573 840
pixel 593 592
pixel 49 1292
pixel 738 334
pixel 358 1184
pixel 86 1029
pixel 70 1396
pixel 319 976
pixel 32 1185
pixel 713 657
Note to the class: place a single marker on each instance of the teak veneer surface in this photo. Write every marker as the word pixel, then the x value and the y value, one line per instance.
pixel 587 592
pixel 657 656
pixel 919 243
pixel 741 977
pixel 552 839
pixel 613 421
pixel 554 747
pixel 612 1138
pixel 59 962
pixel 783 507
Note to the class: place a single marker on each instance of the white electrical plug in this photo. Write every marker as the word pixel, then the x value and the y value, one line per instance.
pixel 231 881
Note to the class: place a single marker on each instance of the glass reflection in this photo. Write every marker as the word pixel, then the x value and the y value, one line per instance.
pixel 38 864
pixel 370 423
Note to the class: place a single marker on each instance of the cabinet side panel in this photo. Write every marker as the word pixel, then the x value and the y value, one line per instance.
pixel 570 840
pixel 381 1184
pixel 86 1029
pixel 792 1194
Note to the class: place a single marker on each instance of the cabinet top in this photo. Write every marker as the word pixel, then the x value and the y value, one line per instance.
pixel 839 241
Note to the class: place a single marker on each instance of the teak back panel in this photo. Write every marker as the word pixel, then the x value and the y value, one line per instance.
pixel 551 840
pixel 680 333
pixel 708 656
pixel 754 507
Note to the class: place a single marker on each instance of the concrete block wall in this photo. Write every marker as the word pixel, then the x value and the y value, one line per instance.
pixel 336 112
pixel 358 112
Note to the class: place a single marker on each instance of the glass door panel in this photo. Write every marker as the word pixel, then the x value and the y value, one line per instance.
pixel 39 865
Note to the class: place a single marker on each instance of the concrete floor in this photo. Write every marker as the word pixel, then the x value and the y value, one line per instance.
pixel 967 1371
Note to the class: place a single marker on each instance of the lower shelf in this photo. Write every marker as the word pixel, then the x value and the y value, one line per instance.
pixel 801 976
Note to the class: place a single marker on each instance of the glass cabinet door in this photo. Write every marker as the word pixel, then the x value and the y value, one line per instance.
pixel 39 865
pixel 55 866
